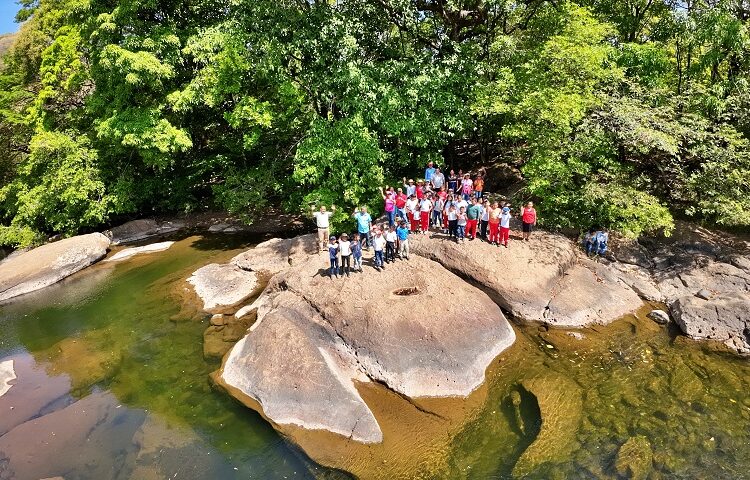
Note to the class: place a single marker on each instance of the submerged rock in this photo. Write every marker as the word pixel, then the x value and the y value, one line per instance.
pixel 313 334
pixel 48 264
pixel 545 280
pixel 222 286
pixel 725 318
pixel 561 405
pixel 635 458
pixel 129 252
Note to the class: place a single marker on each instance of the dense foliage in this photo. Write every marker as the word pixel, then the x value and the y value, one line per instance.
pixel 619 112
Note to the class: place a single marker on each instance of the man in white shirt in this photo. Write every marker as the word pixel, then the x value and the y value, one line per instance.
pixel 322 221
pixel 438 179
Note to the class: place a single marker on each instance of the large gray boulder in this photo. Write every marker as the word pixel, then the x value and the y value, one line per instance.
pixel 141 229
pixel 277 254
pixel 687 280
pixel 222 286
pixel 131 252
pixel 48 264
pixel 313 334
pixel 544 280
pixel 725 317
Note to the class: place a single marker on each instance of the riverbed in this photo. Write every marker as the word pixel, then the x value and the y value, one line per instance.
pixel 112 383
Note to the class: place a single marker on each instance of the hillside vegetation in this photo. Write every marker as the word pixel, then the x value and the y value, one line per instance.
pixel 622 113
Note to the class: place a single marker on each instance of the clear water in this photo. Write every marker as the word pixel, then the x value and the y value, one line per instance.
pixel 125 339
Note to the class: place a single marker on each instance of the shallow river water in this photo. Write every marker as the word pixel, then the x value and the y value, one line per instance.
pixel 112 384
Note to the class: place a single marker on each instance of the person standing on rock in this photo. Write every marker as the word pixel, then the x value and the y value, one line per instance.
pixel 333 256
pixel 389 206
pixel 412 209
pixel 528 218
pixel 346 254
pixel 403 241
pixel 461 221
pixel 473 214
pixel 452 182
pixel 410 188
pixel 479 186
pixel 401 199
pixel 391 237
pixel 429 172
pixel 484 222
pixel 453 221
pixel 505 226
pixel 364 226
pixel 378 243
pixel 466 186
pixel 322 221
pixel 356 248
pixel 438 179
pixel 494 224
pixel 437 212
pixel 425 209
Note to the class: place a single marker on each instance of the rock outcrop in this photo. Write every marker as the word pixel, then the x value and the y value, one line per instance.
pixel 50 263
pixel 136 230
pixel 544 280
pixel 222 286
pixel 130 252
pixel 314 334
pixel 725 317
pixel 277 254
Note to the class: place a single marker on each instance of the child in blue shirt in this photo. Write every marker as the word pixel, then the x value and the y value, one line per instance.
pixel 403 241
pixel 333 255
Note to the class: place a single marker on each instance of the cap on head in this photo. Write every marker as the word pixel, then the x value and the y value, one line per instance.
pixel 506 209
pixel 343 235
pixel 332 237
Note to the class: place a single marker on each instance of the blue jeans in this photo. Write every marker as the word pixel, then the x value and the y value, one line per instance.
pixel 365 239
pixel 460 231
pixel 402 213
pixel 437 217
pixel 334 266
pixel 466 196
pixel 378 258
pixel 478 194
pixel 391 218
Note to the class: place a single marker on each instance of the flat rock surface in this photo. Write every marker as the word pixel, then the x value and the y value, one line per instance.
pixel 544 280
pixel 702 273
pixel 130 252
pixel 725 317
pixel 314 334
pixel 50 263
pixel 222 286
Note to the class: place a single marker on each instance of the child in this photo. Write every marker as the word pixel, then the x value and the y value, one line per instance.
pixel 461 220
pixel 478 186
pixel 390 244
pixel 484 223
pixel 356 248
pixel 333 255
pixel 588 241
pixel 453 222
pixel 403 241
pixel 437 212
pixel 412 207
pixel 466 186
pixel 345 250
pixel 505 226
pixel 494 224
pixel 378 244
pixel 424 214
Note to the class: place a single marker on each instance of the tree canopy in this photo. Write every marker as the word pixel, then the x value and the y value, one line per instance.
pixel 622 113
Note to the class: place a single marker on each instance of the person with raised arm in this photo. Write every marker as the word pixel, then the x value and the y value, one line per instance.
pixel 322 221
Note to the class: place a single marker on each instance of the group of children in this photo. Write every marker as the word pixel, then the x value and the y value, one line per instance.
pixel 453 206
pixel 595 242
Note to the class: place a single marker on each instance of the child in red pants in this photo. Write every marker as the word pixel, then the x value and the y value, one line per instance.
pixel 505 226
pixel 494 224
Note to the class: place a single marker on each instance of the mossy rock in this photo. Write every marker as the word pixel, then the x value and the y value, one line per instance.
pixel 561 405
pixel 634 459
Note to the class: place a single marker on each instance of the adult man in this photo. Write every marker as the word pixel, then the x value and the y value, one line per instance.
pixel 429 172
pixel 322 221
pixel 528 217
pixel 364 226
pixel 438 179
pixel 473 213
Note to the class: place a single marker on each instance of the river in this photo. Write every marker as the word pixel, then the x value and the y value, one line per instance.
pixel 112 384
